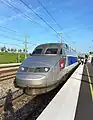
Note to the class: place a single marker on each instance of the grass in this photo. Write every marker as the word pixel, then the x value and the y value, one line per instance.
pixel 6 57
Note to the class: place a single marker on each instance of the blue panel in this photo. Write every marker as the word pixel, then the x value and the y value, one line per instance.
pixel 71 60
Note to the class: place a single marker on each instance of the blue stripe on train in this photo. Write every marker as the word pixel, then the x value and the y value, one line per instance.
pixel 71 60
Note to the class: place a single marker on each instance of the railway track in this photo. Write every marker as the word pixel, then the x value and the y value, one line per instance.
pixel 8 71
pixel 14 95
pixel 7 76
pixel 10 108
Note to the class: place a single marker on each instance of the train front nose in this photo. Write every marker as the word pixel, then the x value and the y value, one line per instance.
pixel 30 80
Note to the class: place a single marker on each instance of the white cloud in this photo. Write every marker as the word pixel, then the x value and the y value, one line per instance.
pixel 6 19
pixel 26 11
pixel 37 9
pixel 53 9
pixel 60 11
pixel 13 17
pixel 9 1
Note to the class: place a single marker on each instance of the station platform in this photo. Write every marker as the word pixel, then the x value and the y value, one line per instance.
pixel 75 99
pixel 84 109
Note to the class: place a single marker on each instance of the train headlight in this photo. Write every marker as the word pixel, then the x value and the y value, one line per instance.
pixel 37 69
pixel 22 69
pixel 46 69
pixel 42 69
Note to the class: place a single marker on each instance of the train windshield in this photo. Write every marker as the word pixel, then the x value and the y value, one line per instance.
pixel 37 51
pixel 51 51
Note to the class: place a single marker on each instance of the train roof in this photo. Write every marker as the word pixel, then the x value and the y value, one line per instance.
pixel 42 48
pixel 51 44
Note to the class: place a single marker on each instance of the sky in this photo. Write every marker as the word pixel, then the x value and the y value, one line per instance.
pixel 75 18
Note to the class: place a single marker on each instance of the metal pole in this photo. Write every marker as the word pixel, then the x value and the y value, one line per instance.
pixel 60 38
pixel 25 46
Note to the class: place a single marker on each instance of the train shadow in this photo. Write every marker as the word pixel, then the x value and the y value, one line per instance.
pixel 21 113
pixel 8 105
pixel 29 108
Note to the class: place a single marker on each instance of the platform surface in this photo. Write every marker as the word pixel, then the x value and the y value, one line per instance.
pixel 75 99
pixel 84 109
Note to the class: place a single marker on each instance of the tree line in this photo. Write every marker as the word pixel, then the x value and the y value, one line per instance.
pixel 4 49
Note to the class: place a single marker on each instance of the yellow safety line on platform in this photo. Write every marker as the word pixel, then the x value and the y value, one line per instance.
pixel 90 82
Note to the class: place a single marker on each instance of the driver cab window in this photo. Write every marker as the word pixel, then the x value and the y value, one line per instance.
pixel 51 51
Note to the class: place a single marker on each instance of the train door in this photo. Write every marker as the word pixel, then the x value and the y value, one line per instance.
pixel 62 59
pixel 61 66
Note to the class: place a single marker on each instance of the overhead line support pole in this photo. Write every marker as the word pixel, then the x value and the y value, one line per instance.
pixel 60 38
pixel 25 46
pixel 60 35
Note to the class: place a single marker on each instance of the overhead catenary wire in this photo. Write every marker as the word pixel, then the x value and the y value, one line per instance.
pixel 49 14
pixel 8 4
pixel 43 19
pixel 52 17
pixel 15 9
pixel 39 16
pixel 9 33
pixel 5 36
pixel 11 30
pixel 10 44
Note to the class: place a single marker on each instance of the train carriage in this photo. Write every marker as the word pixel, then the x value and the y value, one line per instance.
pixel 45 68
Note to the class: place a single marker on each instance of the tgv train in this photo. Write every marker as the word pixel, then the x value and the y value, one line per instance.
pixel 44 70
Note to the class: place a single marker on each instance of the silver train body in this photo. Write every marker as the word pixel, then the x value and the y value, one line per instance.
pixel 46 68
